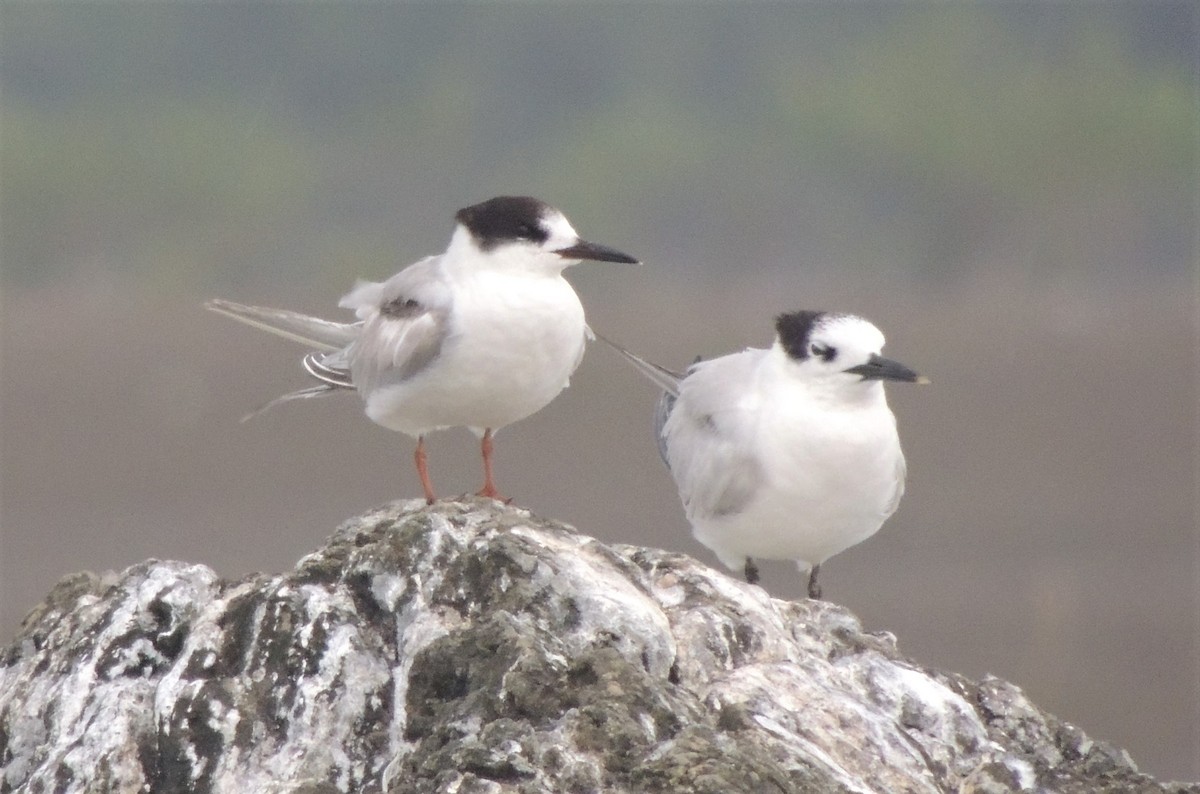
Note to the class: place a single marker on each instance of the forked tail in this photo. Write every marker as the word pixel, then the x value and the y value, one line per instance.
pixel 313 332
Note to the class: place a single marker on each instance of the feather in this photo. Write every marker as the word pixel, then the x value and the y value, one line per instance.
pixel 304 394
pixel 311 331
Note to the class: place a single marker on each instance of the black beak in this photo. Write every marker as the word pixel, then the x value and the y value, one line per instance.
pixel 596 253
pixel 880 368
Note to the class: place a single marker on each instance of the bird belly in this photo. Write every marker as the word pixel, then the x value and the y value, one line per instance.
pixel 509 353
pixel 821 496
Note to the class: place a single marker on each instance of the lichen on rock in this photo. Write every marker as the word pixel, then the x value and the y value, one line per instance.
pixel 473 647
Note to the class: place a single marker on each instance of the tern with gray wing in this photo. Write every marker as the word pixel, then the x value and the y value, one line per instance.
pixel 480 336
pixel 789 452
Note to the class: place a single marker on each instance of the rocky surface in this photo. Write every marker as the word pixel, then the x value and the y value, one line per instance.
pixel 472 647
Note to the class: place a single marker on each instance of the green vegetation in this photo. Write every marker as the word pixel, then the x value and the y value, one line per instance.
pixel 173 142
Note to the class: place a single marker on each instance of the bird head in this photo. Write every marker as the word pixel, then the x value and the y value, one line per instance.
pixel 841 351
pixel 519 232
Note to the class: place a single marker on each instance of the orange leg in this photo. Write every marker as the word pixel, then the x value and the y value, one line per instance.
pixel 489 483
pixel 423 471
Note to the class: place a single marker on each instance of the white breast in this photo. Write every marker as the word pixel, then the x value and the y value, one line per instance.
pixel 513 342
pixel 829 480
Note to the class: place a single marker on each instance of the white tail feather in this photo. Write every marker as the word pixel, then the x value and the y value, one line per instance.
pixel 660 376
pixel 304 394
pixel 311 331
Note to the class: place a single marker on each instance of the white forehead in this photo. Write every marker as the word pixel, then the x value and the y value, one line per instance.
pixel 562 234
pixel 849 332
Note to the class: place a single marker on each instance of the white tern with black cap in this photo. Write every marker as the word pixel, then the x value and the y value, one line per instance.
pixel 480 336
pixel 789 452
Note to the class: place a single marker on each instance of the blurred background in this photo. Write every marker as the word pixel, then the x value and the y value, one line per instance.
pixel 1008 190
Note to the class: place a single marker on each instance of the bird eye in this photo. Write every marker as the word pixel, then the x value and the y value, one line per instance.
pixel 823 352
pixel 525 231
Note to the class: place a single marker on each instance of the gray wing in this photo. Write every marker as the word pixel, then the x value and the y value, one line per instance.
pixel 666 403
pixel 662 412
pixel 707 436
pixel 404 324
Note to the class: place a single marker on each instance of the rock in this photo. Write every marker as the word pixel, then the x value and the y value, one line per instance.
pixel 473 647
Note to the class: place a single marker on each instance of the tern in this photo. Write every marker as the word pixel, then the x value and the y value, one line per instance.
pixel 789 452
pixel 480 336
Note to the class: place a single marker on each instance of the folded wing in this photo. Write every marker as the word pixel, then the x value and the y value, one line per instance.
pixel 707 436
pixel 405 321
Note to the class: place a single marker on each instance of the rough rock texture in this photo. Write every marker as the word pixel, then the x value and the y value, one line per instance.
pixel 471 647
